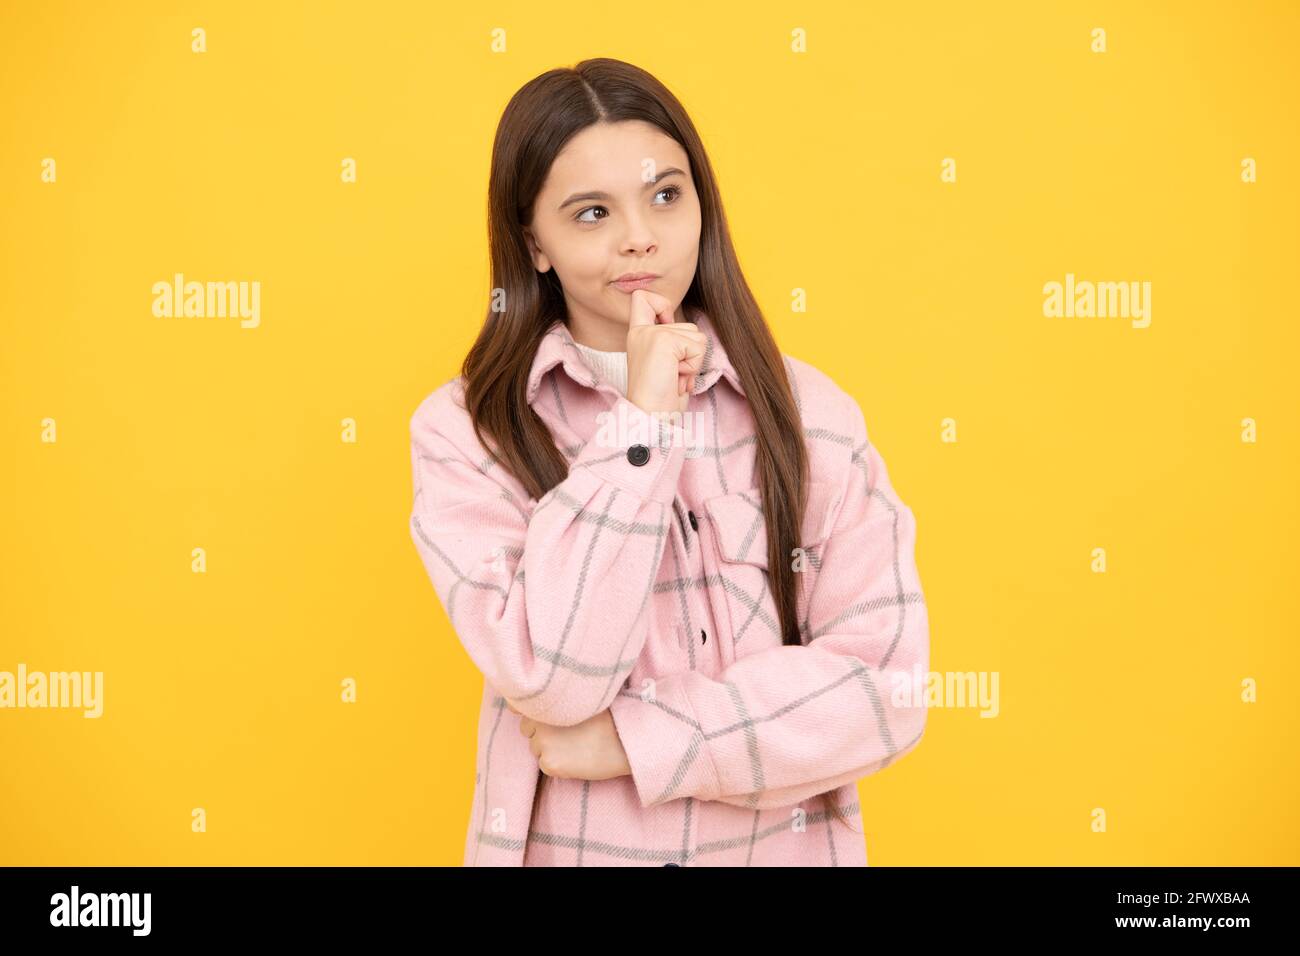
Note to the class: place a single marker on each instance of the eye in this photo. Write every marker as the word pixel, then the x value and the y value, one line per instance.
pixel 675 190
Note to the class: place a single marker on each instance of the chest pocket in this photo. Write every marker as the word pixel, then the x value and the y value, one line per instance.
pixel 739 532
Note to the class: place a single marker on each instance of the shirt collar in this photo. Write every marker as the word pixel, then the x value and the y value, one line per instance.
pixel 557 347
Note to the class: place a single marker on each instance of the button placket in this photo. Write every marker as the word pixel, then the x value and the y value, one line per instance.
pixel 694 567
pixel 700 626
pixel 678 508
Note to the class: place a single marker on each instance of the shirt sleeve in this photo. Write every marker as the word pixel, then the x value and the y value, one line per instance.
pixel 782 725
pixel 547 597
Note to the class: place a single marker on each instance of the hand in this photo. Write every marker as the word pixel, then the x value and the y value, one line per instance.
pixel 663 356
pixel 590 750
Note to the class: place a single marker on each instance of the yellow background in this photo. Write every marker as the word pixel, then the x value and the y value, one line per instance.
pixel 1119 691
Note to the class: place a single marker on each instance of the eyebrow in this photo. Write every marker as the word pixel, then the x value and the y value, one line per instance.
pixel 583 197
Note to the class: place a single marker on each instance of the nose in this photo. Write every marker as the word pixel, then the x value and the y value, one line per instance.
pixel 638 240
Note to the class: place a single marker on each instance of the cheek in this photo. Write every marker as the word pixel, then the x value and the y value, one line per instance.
pixel 693 223
pixel 690 257
pixel 686 236
pixel 585 261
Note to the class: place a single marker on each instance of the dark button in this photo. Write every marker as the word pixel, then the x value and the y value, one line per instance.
pixel 638 454
pixel 704 638
pixel 695 525
pixel 672 864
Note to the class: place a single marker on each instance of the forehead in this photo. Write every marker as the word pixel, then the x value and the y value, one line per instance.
pixel 612 157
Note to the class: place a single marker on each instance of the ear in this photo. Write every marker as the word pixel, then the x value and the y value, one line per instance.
pixel 540 262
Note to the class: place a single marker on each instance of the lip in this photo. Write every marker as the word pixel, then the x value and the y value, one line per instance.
pixel 631 281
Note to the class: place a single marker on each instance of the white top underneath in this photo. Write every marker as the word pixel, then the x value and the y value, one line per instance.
pixel 610 367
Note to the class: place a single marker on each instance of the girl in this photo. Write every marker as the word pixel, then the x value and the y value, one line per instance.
pixel 671 549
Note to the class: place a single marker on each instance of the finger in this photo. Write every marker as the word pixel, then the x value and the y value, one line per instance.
pixel 680 328
pixel 660 304
pixel 690 352
pixel 640 312
pixel 649 308
pixel 688 331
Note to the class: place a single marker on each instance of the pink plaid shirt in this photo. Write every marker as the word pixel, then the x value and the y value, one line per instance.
pixel 640 584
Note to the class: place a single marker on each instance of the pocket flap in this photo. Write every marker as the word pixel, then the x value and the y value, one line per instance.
pixel 740 526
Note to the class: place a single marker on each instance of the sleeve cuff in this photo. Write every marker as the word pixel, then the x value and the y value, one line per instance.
pixel 609 456
pixel 665 746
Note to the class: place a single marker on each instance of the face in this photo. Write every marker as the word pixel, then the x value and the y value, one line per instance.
pixel 619 198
